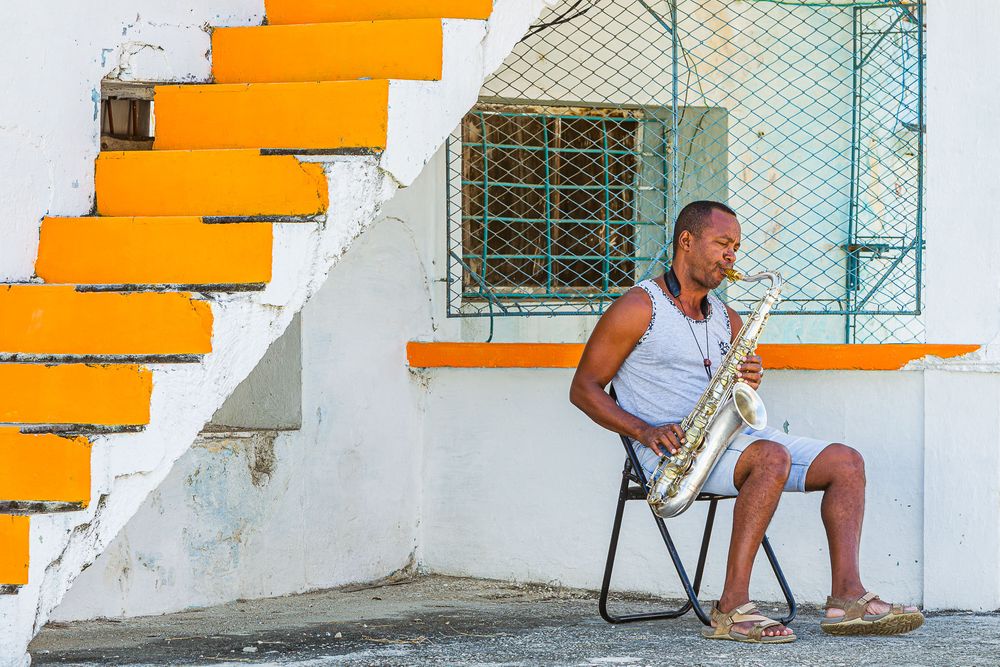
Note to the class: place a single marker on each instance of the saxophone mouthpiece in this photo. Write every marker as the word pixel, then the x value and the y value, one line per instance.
pixel 733 274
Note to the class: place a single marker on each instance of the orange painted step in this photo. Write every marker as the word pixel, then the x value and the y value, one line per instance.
pixel 58 320
pixel 44 469
pixel 102 395
pixel 329 52
pixel 323 11
pixel 14 536
pixel 223 183
pixel 150 251
pixel 314 115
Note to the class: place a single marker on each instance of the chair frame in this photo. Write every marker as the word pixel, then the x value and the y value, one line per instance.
pixel 634 486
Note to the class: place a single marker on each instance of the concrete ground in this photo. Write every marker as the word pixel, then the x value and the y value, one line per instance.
pixel 434 620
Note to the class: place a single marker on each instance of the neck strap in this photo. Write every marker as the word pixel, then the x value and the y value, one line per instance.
pixel 674 287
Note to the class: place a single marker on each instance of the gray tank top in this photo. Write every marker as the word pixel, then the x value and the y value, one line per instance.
pixel 664 375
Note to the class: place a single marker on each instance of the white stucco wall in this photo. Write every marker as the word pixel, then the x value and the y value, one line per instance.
pixel 520 485
pixel 337 502
pixel 499 476
pixel 127 467
pixel 962 471
pixel 477 472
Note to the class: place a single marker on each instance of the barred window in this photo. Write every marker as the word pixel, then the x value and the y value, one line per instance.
pixel 548 198
pixel 565 204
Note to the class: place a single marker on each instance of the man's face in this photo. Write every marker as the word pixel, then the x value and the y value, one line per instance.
pixel 714 249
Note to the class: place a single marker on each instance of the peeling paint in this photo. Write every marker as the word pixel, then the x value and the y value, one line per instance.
pixel 127 54
pixel 261 458
pixel 95 97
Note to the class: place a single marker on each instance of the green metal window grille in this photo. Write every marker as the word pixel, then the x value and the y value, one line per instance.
pixel 805 117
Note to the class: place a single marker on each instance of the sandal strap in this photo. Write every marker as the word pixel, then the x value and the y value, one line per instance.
pixel 743 609
pixel 745 613
pixel 757 620
pixel 845 603
pixel 852 608
pixel 717 616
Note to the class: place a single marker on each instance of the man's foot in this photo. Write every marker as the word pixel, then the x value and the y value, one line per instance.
pixel 744 623
pixel 868 615
pixel 726 607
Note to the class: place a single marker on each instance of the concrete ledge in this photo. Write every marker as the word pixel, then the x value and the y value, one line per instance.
pixel 776 356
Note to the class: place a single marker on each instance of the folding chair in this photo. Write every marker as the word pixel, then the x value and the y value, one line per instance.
pixel 635 487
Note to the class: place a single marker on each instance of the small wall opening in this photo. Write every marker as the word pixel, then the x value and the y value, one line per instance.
pixel 127 122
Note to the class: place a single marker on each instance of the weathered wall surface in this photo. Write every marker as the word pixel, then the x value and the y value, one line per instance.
pixel 255 515
pixel 127 467
pixel 498 475
pixel 513 482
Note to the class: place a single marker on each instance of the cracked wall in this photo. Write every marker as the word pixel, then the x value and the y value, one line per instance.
pixel 246 515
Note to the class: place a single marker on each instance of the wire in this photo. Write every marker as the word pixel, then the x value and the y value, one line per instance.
pixel 565 17
pixel 692 68
pixel 833 5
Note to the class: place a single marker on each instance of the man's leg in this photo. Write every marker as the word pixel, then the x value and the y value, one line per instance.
pixel 839 471
pixel 760 477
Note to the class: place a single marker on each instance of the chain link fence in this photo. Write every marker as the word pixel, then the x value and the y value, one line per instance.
pixel 611 115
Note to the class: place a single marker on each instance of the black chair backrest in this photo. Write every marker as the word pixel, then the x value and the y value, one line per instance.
pixel 637 474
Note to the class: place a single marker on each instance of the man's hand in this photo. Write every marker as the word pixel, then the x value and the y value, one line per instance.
pixel 751 371
pixel 669 437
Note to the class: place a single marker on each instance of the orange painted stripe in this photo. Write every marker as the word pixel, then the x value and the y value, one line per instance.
pixel 776 357
pixel 14 540
pixel 240 182
pixel 855 357
pixel 322 114
pixel 322 11
pixel 493 355
pixel 44 468
pixel 328 52
pixel 56 319
pixel 105 395
pixel 179 251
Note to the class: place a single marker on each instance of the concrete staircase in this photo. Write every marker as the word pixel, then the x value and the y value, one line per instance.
pixel 145 317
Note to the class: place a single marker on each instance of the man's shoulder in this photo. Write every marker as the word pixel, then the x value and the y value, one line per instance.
pixel 631 311
pixel 636 298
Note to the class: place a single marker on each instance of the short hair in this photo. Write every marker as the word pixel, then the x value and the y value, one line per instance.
pixel 694 217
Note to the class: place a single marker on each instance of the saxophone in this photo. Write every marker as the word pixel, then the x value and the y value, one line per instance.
pixel 721 412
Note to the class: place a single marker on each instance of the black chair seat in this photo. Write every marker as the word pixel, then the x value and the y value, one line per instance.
pixel 634 487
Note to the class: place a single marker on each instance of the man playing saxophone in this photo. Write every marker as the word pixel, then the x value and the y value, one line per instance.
pixel 658 345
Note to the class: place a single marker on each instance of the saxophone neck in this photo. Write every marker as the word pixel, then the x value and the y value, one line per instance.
pixel 773 276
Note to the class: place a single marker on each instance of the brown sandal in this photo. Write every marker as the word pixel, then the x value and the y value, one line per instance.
pixel 857 621
pixel 744 614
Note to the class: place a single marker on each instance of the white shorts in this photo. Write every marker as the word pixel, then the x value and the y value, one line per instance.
pixel 803 451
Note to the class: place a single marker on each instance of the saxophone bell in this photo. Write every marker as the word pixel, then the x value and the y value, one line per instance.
pixel 749 405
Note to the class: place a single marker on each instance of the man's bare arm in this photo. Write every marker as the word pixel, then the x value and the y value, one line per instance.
pixel 613 339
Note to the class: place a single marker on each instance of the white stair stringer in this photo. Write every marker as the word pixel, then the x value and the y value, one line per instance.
pixel 126 467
